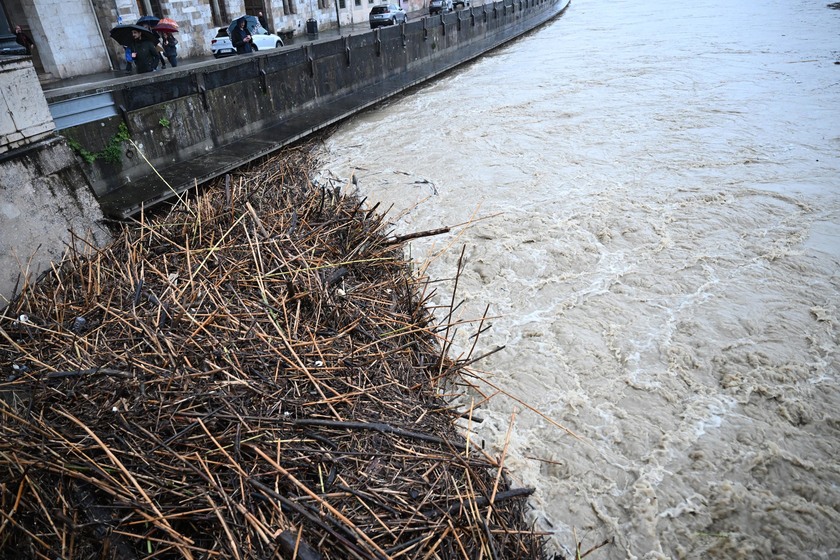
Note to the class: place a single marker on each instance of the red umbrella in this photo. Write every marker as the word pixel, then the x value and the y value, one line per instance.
pixel 167 26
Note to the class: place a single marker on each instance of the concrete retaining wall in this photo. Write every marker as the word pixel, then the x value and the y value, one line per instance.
pixel 200 122
pixel 46 204
pixel 46 208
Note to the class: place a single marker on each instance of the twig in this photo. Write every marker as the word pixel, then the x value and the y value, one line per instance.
pixel 397 239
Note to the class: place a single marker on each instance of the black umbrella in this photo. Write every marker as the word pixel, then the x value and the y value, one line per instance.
pixel 122 34
pixel 251 24
pixel 151 21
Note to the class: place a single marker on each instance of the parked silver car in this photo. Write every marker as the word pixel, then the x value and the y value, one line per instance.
pixel 386 14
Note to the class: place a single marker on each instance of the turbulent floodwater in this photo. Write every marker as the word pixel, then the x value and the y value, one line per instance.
pixel 652 198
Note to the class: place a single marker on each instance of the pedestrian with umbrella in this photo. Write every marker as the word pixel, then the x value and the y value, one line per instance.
pixel 167 27
pixel 144 52
pixel 149 22
pixel 170 50
pixel 240 35
pixel 141 41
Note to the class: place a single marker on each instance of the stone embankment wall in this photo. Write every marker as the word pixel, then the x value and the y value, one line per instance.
pixel 47 205
pixel 197 123
pixel 161 134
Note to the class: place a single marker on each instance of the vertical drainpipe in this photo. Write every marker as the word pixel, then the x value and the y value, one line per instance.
pixel 337 16
pixel 101 37
pixel 216 13
pixel 269 15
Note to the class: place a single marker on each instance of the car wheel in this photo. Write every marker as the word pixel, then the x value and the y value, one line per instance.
pixel 254 48
pixel 217 55
pixel 278 44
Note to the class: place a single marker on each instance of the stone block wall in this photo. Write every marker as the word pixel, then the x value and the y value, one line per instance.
pixel 45 206
pixel 43 193
pixel 24 115
pixel 196 25
pixel 74 43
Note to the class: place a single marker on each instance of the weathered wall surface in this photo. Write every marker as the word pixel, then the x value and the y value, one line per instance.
pixel 44 197
pixel 24 115
pixel 45 203
pixel 72 36
pixel 235 110
pixel 69 40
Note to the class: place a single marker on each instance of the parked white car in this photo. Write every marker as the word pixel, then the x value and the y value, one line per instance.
pixel 262 40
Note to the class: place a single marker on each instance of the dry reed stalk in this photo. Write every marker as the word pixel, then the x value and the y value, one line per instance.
pixel 252 373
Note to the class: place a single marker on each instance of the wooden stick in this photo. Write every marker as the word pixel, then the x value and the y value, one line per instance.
pixel 416 235
pixel 315 497
pixel 377 427
pixel 160 521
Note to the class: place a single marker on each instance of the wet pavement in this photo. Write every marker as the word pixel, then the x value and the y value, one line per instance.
pixel 118 75
pixel 131 197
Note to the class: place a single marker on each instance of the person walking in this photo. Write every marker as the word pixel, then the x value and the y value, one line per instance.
pixel 144 52
pixel 241 37
pixel 170 50
pixel 128 59
pixel 148 25
pixel 263 22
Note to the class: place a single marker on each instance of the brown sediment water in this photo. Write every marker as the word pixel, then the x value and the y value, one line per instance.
pixel 653 192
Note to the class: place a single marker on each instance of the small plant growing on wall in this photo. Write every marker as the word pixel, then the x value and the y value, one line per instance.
pixel 164 122
pixel 86 155
pixel 111 153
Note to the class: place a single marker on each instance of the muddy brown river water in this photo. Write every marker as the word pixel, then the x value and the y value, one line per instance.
pixel 652 192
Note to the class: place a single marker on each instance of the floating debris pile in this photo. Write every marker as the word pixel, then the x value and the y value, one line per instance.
pixel 253 375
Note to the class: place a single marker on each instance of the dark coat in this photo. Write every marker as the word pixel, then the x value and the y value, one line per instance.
pixel 237 39
pixel 147 55
pixel 169 46
pixel 24 41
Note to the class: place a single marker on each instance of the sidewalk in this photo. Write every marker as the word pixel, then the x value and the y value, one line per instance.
pixel 296 41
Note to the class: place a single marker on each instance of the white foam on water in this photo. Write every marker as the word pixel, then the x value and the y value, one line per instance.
pixel 653 191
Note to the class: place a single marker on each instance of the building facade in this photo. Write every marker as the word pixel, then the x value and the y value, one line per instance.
pixel 72 36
